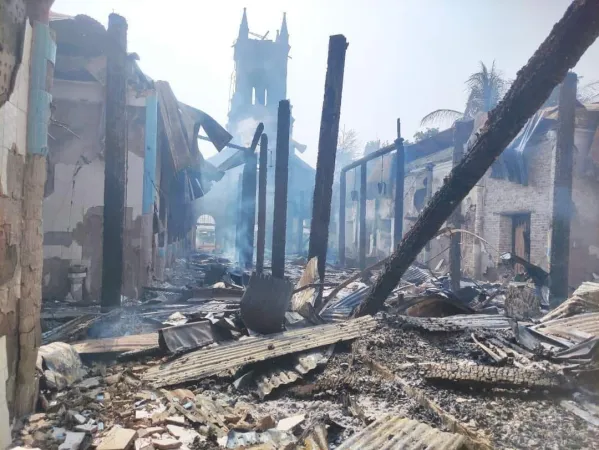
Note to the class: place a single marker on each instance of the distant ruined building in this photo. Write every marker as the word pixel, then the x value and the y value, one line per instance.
pixel 260 83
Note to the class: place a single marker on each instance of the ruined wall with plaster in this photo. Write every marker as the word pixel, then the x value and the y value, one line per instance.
pixel 13 142
pixel 74 196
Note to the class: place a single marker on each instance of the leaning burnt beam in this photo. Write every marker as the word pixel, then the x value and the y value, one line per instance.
pixel 562 49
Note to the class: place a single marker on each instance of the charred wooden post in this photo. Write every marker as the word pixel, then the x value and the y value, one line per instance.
pixel 342 198
pixel 248 201
pixel 239 229
pixel 460 137
pixel 300 223
pixel 327 151
pixel 115 172
pixel 279 225
pixel 262 179
pixel 429 195
pixel 562 49
pixel 362 224
pixel 400 162
pixel 562 190
pixel 248 208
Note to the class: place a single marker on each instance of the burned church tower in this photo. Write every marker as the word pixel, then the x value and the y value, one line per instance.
pixel 260 81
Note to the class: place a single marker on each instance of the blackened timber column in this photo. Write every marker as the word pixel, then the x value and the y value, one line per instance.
pixel 115 176
pixel 562 190
pixel 327 151
pixel 279 223
pixel 362 211
pixel 342 197
pixel 455 253
pixel 400 161
pixel 262 180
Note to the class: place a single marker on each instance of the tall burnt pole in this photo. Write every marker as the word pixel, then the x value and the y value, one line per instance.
pixel 400 162
pixel 327 151
pixel 562 190
pixel 279 224
pixel 248 201
pixel 455 253
pixel 262 180
pixel 362 212
pixel 115 159
pixel 562 49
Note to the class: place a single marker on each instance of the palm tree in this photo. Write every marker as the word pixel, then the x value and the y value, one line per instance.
pixel 485 89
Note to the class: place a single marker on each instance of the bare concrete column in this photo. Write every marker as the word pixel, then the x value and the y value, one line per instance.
pixel 562 190
pixel 327 151
pixel 279 226
pixel 115 172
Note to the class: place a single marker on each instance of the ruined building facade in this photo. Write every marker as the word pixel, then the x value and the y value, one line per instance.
pixel 510 208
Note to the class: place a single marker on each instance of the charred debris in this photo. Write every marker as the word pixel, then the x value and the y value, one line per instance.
pixel 298 352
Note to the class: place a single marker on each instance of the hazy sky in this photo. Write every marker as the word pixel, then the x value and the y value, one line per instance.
pixel 405 57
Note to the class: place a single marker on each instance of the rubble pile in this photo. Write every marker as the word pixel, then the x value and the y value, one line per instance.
pixel 186 368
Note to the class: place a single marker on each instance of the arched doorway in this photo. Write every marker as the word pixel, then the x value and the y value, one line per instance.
pixel 205 233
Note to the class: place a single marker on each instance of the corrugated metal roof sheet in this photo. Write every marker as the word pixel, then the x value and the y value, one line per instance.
pixel 301 365
pixel 391 432
pixel 342 308
pixel 576 328
pixel 459 322
pixel 206 362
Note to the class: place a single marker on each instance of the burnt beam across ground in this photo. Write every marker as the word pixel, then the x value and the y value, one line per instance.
pixel 327 151
pixel 562 49
pixel 115 171
pixel 562 190
pixel 279 225
pixel 262 180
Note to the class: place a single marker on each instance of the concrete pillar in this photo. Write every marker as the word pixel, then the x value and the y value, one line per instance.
pixel 400 162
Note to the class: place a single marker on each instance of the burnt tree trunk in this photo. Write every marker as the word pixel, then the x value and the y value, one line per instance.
pixel 562 190
pixel 279 224
pixel 327 151
pixel 115 171
pixel 262 179
pixel 562 49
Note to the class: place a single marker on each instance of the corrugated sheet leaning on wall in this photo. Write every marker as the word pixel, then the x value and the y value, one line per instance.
pixel 206 362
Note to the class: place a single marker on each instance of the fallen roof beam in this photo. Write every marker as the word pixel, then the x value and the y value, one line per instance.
pixel 207 362
pixel 562 49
